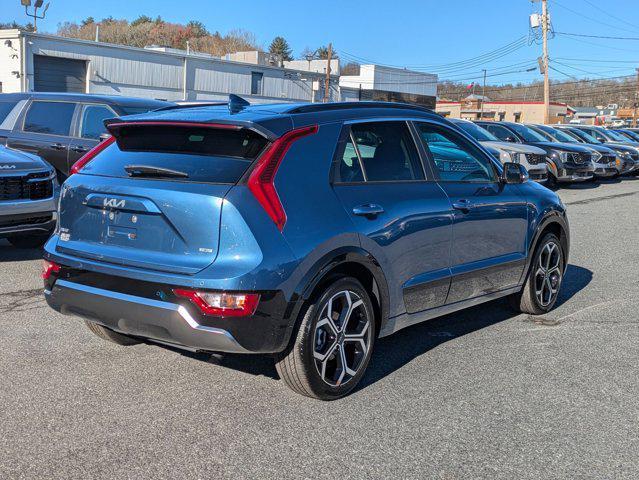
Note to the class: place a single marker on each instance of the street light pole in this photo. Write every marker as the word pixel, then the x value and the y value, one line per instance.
pixel 483 96
pixel 37 4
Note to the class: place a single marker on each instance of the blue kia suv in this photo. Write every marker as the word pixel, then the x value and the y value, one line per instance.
pixel 304 231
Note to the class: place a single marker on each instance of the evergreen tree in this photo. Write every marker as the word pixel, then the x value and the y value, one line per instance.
pixel 279 46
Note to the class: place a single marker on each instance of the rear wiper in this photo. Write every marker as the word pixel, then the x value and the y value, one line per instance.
pixel 150 171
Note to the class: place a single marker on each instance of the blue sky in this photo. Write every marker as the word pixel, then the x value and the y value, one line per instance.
pixel 421 33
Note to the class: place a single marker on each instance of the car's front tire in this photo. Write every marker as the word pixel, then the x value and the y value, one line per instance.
pixel 545 276
pixel 334 342
pixel 109 335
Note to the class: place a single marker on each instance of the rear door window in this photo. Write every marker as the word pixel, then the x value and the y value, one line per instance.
pixel 380 152
pixel 53 118
pixel 210 155
pixel 92 122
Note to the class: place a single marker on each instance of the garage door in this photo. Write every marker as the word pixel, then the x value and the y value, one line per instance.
pixel 55 74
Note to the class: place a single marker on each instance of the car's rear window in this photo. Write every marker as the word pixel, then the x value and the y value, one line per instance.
pixel 209 155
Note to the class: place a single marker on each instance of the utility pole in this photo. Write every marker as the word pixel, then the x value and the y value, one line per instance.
pixel 483 96
pixel 327 82
pixel 545 23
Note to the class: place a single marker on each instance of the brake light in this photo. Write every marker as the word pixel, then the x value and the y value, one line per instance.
pixel 90 155
pixel 221 304
pixel 261 180
pixel 49 268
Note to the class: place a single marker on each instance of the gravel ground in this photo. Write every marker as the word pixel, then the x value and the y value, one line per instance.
pixel 478 394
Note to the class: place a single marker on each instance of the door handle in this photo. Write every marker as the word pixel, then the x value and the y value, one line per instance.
pixel 368 210
pixel 79 149
pixel 57 146
pixel 463 205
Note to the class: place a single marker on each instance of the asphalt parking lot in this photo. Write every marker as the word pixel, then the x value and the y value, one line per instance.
pixel 479 394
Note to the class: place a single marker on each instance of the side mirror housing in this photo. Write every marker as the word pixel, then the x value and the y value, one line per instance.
pixel 511 139
pixel 514 173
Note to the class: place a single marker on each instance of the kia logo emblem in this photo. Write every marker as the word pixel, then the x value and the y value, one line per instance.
pixel 114 203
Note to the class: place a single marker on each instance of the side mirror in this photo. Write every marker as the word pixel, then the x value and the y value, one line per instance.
pixel 514 173
pixel 511 139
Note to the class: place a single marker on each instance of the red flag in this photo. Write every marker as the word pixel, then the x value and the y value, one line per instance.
pixel 470 86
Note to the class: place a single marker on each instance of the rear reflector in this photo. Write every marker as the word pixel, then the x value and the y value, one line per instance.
pixel 261 180
pixel 90 155
pixel 48 268
pixel 221 304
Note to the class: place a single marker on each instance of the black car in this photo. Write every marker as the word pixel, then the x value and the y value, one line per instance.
pixel 61 127
pixel 566 162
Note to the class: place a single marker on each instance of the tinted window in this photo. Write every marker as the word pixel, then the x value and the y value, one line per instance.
pixel 349 168
pixel 49 117
pixel 93 117
pixel 527 134
pixel 5 109
pixel 558 134
pixel 204 154
pixel 478 133
pixel 386 152
pixel 502 133
pixel 586 137
pixel 455 159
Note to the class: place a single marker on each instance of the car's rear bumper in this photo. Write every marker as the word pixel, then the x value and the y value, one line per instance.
pixel 167 320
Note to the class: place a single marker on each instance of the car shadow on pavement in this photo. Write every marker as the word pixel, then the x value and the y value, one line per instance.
pixel 393 352
pixel 9 253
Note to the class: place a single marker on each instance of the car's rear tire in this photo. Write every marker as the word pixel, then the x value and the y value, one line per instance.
pixel 28 241
pixel 546 273
pixel 106 334
pixel 334 342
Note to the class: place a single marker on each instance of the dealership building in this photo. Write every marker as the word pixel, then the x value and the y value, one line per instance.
pixel 43 62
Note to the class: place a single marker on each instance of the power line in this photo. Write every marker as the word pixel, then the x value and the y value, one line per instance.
pixel 605 12
pixel 596 36
pixel 598 21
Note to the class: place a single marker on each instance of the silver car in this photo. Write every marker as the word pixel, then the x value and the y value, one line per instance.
pixel 28 198
pixel 533 158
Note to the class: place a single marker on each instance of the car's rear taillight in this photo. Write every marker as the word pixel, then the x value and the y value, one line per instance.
pixel 261 180
pixel 49 268
pixel 221 304
pixel 90 155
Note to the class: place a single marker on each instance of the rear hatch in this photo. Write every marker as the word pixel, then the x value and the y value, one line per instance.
pixel 153 197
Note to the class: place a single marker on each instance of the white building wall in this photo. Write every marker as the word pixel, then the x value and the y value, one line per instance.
pixel 10 58
pixel 376 77
pixel 121 70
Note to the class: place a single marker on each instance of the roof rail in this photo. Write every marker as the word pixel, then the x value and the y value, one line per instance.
pixel 321 107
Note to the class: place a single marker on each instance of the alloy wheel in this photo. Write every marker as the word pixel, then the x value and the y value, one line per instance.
pixel 342 338
pixel 548 275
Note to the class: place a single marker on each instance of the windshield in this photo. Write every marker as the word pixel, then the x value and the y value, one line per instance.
pixel 630 134
pixel 615 136
pixel 528 134
pixel 585 136
pixel 558 134
pixel 477 132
